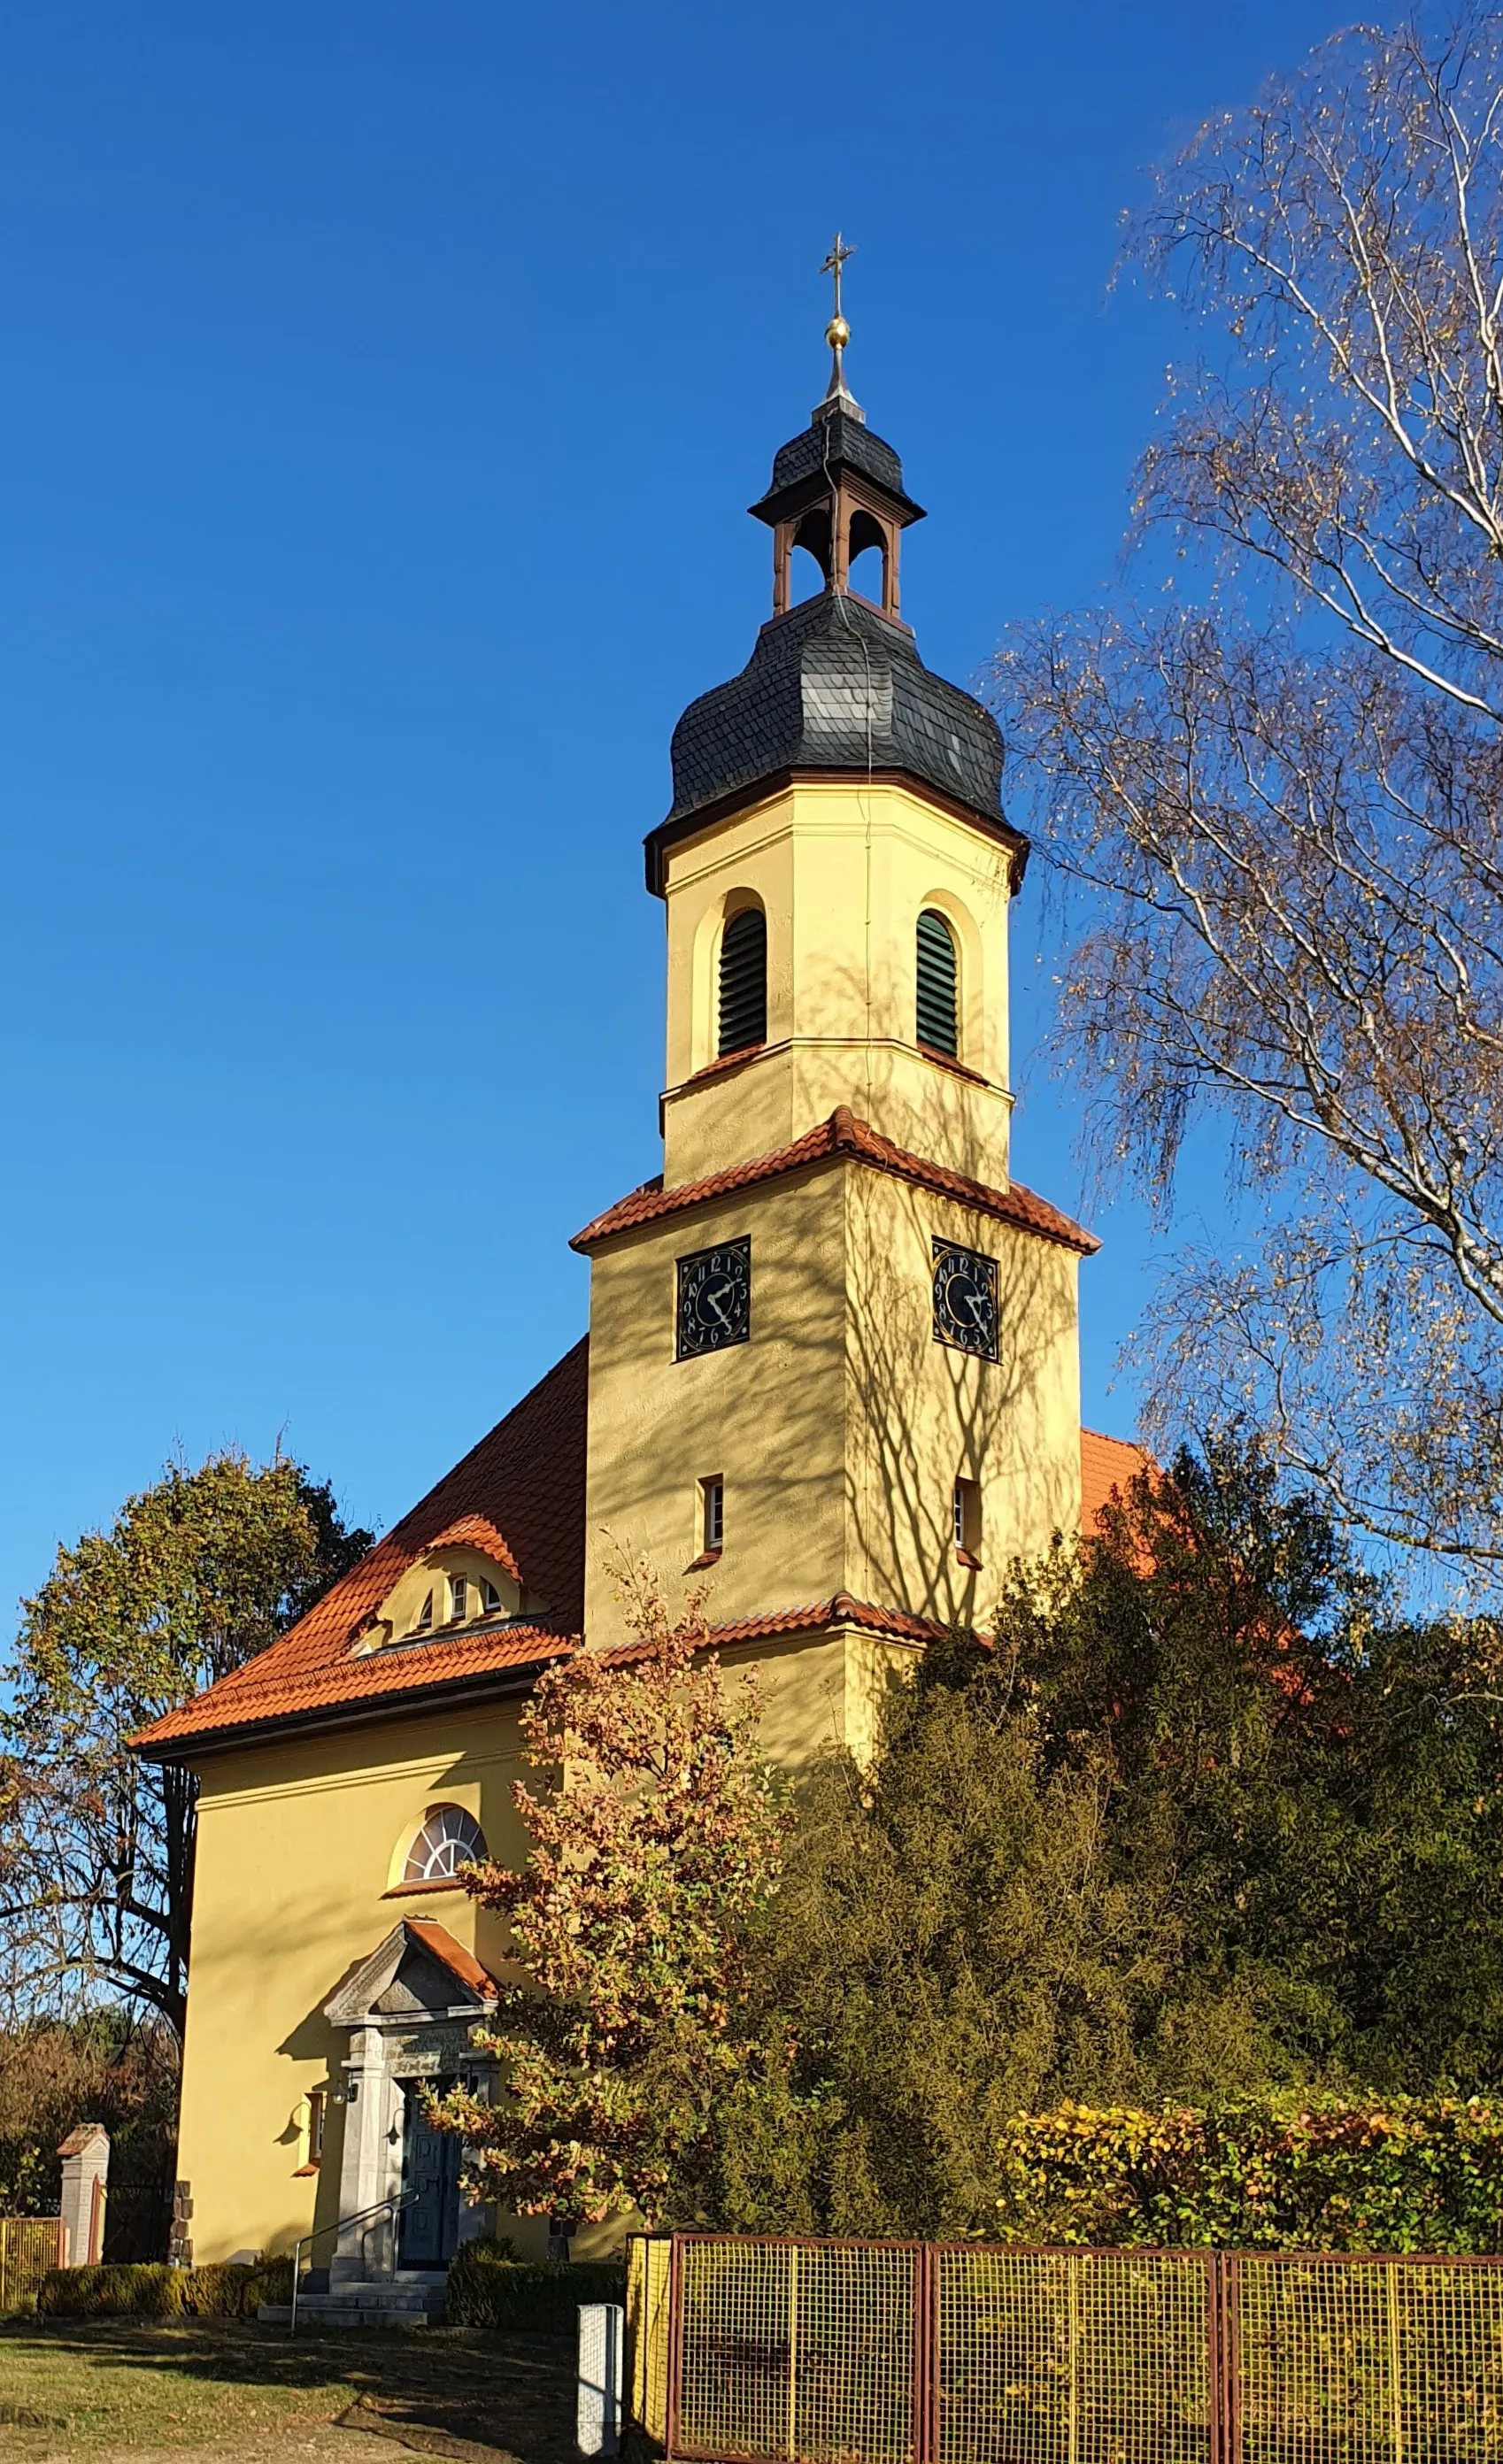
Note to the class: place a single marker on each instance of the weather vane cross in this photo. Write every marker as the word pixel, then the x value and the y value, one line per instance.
pixel 834 263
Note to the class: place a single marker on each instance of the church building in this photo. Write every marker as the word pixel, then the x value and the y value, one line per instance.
pixel 832 1371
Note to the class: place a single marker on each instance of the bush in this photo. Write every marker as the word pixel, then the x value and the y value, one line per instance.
pixel 1276 2171
pixel 163 2292
pixel 490 2287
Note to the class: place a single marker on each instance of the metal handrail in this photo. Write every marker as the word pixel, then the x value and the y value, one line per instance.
pixel 393 2206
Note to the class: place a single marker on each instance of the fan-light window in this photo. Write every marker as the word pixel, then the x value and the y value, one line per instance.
pixel 424 1618
pixel 448 1838
pixel 743 982
pixel 489 1598
pixel 939 1008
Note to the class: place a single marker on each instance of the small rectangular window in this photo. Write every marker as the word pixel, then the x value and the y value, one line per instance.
pixel 713 1502
pixel 315 2125
pixel 458 1595
pixel 967 1511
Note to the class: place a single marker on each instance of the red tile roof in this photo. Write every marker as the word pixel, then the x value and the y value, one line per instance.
pixel 811 1618
pixel 520 1497
pixel 843 1135
pixel 526 1482
pixel 477 1531
pixel 1106 1463
pixel 459 1962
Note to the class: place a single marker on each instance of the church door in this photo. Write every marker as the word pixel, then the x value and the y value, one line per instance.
pixel 428 2226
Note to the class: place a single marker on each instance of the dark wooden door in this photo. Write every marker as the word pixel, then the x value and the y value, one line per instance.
pixel 428 2229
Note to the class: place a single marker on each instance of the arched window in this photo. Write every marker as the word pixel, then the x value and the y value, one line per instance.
pixel 938 1023
pixel 743 982
pixel 448 1838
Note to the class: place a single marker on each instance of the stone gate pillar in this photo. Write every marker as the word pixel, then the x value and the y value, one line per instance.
pixel 85 2155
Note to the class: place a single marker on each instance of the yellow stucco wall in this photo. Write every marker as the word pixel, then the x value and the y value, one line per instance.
pixel 921 1415
pixel 299 1845
pixel 842 870
pixel 767 1416
pixel 840 1427
pixel 839 1430
pixel 298 1842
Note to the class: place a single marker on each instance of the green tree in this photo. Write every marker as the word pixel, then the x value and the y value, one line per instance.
pixel 196 1574
pixel 628 2055
pixel 1322 1773
pixel 1200 1819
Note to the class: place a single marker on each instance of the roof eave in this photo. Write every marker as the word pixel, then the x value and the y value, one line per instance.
pixel 672 831
pixel 273 1726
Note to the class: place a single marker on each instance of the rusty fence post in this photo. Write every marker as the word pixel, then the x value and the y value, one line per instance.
pixel 925 2295
pixel 676 2340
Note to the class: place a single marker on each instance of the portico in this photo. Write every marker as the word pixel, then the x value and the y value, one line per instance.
pixel 410 2009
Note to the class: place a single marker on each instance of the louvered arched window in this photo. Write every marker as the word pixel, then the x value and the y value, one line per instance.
pixel 938 980
pixel 743 982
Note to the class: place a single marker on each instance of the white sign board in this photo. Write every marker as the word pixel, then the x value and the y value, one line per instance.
pixel 602 2341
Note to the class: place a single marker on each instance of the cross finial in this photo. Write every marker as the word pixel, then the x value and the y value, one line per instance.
pixel 837 333
pixel 835 263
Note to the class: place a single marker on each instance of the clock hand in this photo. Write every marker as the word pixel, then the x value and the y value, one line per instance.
pixel 717 1304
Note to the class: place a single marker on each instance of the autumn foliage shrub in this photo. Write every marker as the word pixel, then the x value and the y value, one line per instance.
pixel 1279 2171
pixel 155 2292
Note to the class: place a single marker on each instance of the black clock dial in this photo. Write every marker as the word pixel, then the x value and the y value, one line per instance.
pixel 965 1300
pixel 714 1299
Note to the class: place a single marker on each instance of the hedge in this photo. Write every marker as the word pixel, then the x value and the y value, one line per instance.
pixel 489 2286
pixel 1277 2171
pixel 163 2292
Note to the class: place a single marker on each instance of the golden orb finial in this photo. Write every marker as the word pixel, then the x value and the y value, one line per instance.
pixel 837 333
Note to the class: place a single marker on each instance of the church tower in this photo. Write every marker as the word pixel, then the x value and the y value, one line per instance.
pixel 833 1348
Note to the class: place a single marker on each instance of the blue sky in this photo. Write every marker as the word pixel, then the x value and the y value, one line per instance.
pixel 383 388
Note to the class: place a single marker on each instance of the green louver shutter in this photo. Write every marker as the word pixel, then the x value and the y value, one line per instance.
pixel 938 1022
pixel 743 982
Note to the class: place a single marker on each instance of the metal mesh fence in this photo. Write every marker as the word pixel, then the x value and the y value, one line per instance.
pixel 796 2349
pixel 28 2246
pixel 1073 2358
pixel 1368 2361
pixel 649 2282
pixel 892 2353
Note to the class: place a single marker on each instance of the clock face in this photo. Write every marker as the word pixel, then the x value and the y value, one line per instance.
pixel 965 1300
pixel 714 1299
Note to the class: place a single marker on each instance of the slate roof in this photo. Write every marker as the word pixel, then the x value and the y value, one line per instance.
pixel 836 685
pixel 835 440
pixel 523 1484
pixel 843 1135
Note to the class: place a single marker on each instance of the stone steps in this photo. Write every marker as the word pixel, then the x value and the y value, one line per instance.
pixel 417 2302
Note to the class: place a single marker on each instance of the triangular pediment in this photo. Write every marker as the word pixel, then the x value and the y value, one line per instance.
pixel 419 1970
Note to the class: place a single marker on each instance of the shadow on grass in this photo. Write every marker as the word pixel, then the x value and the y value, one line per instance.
pixel 512 2392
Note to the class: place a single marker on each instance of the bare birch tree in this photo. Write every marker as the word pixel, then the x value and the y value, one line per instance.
pixel 1280 780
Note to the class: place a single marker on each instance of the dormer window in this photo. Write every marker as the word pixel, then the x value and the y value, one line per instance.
pixel 457 1584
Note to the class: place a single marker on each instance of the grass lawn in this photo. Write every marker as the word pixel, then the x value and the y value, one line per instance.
pixel 237 2391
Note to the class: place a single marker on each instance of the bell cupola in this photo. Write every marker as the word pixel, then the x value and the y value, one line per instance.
pixel 842 792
